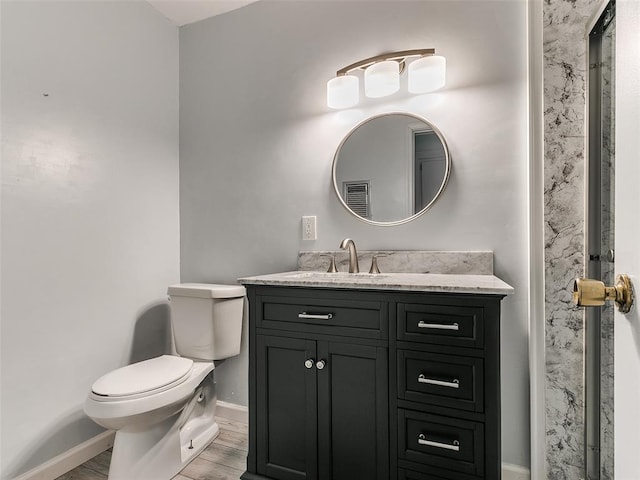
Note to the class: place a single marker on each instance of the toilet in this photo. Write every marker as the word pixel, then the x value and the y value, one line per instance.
pixel 163 409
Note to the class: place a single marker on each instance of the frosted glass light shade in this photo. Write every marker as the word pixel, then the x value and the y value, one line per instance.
pixel 382 79
pixel 343 91
pixel 427 74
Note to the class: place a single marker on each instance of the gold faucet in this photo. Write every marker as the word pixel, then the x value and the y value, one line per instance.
pixel 353 255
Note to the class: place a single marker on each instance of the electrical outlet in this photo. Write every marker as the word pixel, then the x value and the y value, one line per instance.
pixel 309 228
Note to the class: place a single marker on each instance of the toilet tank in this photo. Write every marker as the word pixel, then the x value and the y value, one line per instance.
pixel 207 319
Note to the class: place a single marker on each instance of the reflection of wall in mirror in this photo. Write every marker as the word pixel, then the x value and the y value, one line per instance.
pixel 379 152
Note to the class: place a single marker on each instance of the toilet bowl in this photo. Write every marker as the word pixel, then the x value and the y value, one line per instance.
pixel 162 409
pixel 115 402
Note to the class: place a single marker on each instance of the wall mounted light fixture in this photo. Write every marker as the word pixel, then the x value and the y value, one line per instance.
pixel 382 76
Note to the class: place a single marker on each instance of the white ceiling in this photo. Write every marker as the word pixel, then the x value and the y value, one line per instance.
pixel 182 12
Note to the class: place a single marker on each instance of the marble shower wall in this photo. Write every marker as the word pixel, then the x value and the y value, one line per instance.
pixel 564 150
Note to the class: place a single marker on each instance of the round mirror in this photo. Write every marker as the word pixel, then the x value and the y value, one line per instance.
pixel 391 168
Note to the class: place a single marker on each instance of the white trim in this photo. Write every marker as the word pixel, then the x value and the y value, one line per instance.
pixel 515 472
pixel 67 461
pixel 76 456
pixel 537 318
pixel 238 413
pixel 231 411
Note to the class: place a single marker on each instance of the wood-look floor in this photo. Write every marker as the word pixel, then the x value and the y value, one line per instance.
pixel 224 459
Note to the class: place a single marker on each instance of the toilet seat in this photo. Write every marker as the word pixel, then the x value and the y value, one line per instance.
pixel 117 412
pixel 142 379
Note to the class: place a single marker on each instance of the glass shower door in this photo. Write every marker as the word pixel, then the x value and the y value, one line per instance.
pixel 599 346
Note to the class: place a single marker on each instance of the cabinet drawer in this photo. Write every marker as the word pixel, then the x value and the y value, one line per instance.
pixel 322 315
pixel 441 324
pixel 404 474
pixel 444 380
pixel 410 475
pixel 443 442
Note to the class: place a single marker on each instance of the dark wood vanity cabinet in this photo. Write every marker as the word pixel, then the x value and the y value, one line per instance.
pixel 362 384
pixel 321 405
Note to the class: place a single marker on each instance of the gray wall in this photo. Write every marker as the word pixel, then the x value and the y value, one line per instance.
pixel 90 235
pixel 257 142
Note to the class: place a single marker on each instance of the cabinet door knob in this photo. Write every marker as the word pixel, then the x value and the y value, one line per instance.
pixel 320 364
pixel 308 363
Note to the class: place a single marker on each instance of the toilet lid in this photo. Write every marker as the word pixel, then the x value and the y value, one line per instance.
pixel 146 376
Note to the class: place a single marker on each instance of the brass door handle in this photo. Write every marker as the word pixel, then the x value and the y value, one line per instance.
pixel 593 293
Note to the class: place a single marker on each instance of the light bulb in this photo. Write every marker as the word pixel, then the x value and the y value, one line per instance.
pixel 382 79
pixel 427 74
pixel 343 91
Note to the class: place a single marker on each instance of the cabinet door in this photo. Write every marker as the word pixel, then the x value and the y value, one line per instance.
pixel 286 408
pixel 353 426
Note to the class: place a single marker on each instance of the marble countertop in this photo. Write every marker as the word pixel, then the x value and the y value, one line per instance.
pixel 416 282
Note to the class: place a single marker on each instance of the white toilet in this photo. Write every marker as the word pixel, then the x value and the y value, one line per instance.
pixel 163 409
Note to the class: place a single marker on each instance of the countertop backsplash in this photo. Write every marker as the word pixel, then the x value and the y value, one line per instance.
pixel 403 261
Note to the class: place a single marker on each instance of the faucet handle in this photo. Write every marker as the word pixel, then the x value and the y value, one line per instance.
pixel 332 265
pixel 374 264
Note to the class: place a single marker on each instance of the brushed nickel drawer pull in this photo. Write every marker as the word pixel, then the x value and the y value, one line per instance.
pixel 455 383
pixel 438 326
pixel 316 316
pixel 422 440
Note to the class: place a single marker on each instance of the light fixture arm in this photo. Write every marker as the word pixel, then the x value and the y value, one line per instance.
pixel 399 56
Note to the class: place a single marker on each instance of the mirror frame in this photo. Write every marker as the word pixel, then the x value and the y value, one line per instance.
pixel 426 207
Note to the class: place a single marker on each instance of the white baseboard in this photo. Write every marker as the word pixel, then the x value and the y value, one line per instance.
pixel 70 459
pixel 79 454
pixel 238 413
pixel 231 411
pixel 515 472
